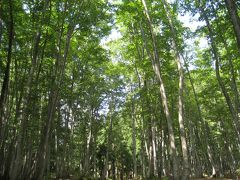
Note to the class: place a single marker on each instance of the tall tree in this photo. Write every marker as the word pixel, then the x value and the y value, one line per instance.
pixel 180 96
pixel 5 84
pixel 233 13
pixel 156 67
pixel 222 86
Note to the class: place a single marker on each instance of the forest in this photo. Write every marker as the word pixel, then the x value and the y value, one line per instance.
pixel 119 89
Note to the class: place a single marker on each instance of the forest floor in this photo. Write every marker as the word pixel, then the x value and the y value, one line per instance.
pixel 190 179
pixel 205 178
pixel 212 178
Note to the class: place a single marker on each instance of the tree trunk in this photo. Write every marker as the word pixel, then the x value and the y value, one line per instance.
pixel 18 162
pixel 53 99
pixel 201 136
pixel 227 146
pixel 109 140
pixel 185 174
pixel 86 167
pixel 154 153
pixel 156 68
pixel 233 80
pixel 140 58
pixel 5 85
pixel 133 135
pixel 221 84
pixel 1 27
pixel 233 12
pixel 231 66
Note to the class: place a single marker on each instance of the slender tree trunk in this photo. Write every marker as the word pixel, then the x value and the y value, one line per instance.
pixel 11 149
pixel 154 153
pixel 109 140
pixel 140 58
pixel 156 67
pixel 149 145
pixel 18 163
pixel 163 154
pixel 53 99
pixel 150 141
pixel 1 27
pixel 133 136
pixel 202 135
pixel 185 174
pixel 221 84
pixel 228 147
pixel 88 145
pixel 233 80
pixel 5 85
pixel 143 170
pixel 233 12
pixel 210 150
pixel 95 155
pixel 231 66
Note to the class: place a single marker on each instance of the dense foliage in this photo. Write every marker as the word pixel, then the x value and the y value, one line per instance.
pixel 160 100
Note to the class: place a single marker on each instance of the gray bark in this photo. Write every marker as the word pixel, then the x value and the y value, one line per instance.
pixel 185 174
pixel 133 135
pixel 156 68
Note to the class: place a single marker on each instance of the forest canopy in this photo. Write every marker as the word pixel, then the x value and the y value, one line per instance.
pixel 119 89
